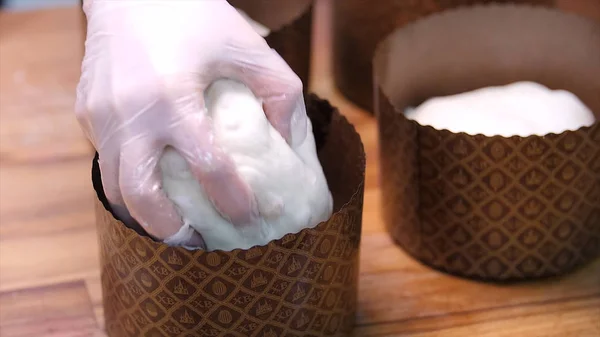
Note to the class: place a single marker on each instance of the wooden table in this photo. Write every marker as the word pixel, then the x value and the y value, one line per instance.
pixel 49 276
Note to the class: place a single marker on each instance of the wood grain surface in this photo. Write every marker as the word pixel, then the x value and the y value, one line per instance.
pixel 49 273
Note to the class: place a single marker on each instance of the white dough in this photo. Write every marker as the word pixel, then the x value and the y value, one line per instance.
pixel 288 183
pixel 519 109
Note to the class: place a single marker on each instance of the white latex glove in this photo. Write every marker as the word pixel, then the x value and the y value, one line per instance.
pixel 518 109
pixel 145 69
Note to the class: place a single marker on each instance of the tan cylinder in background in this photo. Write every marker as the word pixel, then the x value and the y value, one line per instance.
pixel 358 25
pixel 493 208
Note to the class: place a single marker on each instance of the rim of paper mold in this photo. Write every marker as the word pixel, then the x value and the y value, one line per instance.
pixel 545 17
pixel 358 89
pixel 334 112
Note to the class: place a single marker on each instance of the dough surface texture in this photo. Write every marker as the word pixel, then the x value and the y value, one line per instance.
pixel 518 109
pixel 288 182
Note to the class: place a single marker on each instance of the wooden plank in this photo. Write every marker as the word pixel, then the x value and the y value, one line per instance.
pixel 576 318
pixel 39 200
pixel 59 310
pixel 415 291
pixel 44 260
pixel 94 288
pixel 38 93
pixel 372 221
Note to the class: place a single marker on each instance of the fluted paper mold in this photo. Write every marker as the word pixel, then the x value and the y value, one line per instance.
pixel 358 26
pixel 304 284
pixel 490 208
pixel 292 40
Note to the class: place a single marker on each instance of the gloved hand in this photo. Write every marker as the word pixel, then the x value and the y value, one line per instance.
pixel 146 66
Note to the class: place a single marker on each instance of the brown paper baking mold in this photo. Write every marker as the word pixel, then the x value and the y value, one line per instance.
pixel 482 207
pixel 304 284
pixel 358 25
pixel 292 38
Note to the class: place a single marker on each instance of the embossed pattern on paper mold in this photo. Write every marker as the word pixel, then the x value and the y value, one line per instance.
pixel 307 288
pixel 304 284
pixel 491 207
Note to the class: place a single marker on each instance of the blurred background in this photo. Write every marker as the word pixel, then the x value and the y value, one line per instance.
pixel 22 5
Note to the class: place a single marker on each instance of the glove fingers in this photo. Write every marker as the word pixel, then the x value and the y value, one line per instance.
pixel 109 168
pixel 141 188
pixel 215 170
